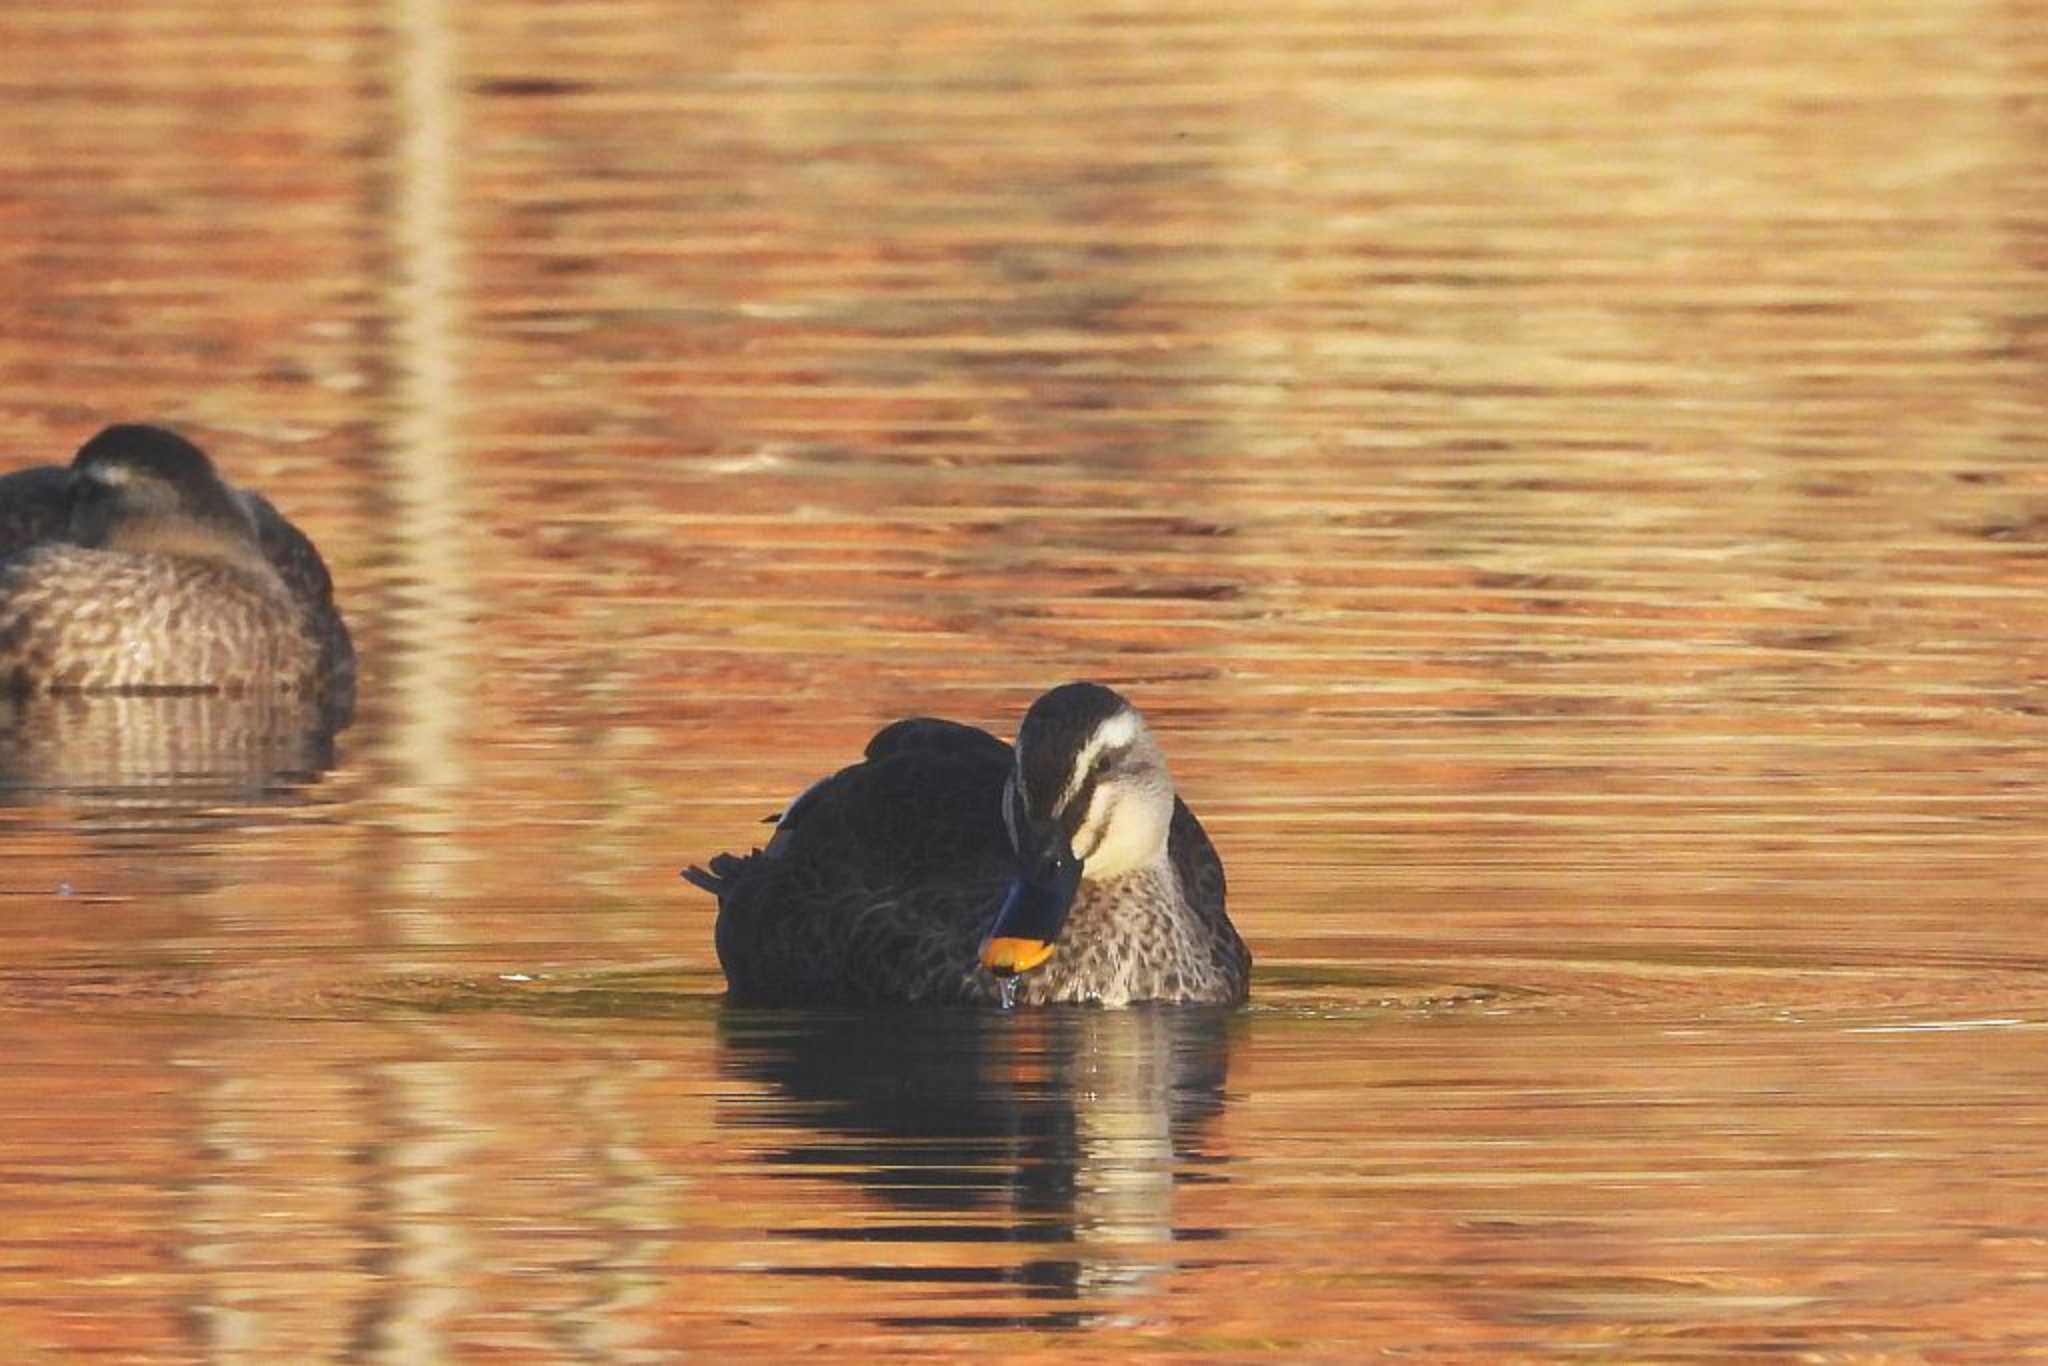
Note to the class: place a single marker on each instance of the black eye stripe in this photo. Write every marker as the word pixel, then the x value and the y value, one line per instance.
pixel 1101 834
pixel 1076 810
pixel 1110 762
pixel 1107 765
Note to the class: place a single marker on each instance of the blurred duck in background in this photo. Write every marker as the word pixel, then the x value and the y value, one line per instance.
pixel 138 569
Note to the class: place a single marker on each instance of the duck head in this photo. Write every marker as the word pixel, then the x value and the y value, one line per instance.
pixel 1089 799
pixel 146 489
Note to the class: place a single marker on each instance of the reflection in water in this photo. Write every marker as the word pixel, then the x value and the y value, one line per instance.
pixel 426 1243
pixel 430 688
pixel 1062 1130
pixel 162 749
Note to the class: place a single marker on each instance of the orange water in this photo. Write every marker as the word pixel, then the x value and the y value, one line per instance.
pixel 1564 481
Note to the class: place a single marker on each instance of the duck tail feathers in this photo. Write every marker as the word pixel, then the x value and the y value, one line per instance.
pixel 718 878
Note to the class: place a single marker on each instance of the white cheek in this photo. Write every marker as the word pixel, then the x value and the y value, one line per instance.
pixel 1088 837
pixel 1122 832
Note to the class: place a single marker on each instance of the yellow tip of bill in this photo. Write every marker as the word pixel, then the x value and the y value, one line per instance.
pixel 1007 957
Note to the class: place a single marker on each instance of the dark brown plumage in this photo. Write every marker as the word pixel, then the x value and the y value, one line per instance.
pixel 881 881
pixel 139 569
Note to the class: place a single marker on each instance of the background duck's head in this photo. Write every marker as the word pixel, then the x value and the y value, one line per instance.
pixel 144 489
pixel 1089 798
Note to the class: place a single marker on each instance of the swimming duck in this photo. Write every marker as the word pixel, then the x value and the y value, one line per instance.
pixel 139 569
pixel 949 867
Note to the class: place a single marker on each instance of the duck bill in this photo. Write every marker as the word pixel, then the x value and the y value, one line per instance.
pixel 1027 927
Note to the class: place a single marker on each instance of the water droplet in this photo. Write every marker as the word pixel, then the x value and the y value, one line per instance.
pixel 1007 988
pixel 64 889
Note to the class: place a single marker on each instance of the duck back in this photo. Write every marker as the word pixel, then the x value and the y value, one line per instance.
pixel 879 881
pixel 32 507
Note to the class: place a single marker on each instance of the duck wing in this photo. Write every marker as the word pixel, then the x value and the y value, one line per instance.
pixel 34 507
pixel 297 561
pixel 879 881
pixel 1200 870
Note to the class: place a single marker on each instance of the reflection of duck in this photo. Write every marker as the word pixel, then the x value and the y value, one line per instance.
pixel 1050 1143
pixel 885 882
pixel 139 569
pixel 161 751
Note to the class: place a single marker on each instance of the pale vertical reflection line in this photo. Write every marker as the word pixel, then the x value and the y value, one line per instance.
pixel 420 1192
pixel 428 686
pixel 1124 1163
pixel 632 1209
pixel 424 1175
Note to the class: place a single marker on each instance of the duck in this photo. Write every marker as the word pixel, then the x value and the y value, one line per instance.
pixel 138 569
pixel 948 867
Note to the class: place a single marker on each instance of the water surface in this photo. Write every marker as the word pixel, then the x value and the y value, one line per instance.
pixel 1566 485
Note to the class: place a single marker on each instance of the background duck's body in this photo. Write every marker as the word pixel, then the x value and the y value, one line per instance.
pixel 882 881
pixel 139 569
pixel 74 619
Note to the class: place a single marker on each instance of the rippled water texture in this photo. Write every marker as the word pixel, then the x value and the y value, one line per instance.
pixel 1565 481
